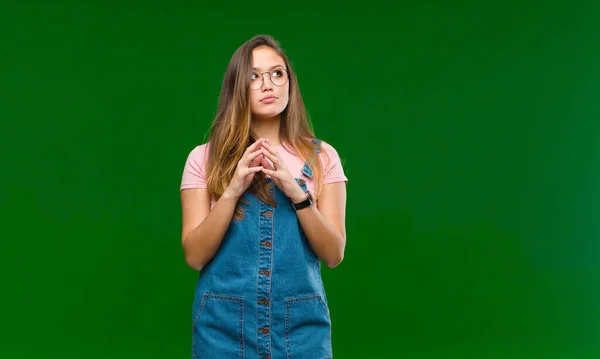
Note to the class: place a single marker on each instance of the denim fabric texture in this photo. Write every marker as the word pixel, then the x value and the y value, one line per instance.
pixel 261 295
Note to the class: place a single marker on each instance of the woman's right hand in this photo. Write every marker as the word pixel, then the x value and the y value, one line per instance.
pixel 247 166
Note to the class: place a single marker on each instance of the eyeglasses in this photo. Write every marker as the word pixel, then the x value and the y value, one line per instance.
pixel 279 77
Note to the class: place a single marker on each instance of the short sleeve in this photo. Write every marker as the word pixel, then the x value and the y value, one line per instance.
pixel 333 170
pixel 194 171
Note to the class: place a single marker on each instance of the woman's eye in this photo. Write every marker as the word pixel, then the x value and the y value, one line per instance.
pixel 277 73
pixel 254 76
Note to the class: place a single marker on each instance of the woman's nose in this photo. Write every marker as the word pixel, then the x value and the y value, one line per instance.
pixel 267 84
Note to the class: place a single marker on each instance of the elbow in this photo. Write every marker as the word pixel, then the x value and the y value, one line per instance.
pixel 190 259
pixel 193 262
pixel 336 259
pixel 195 265
pixel 334 262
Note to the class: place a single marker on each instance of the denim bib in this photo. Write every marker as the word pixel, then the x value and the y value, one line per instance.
pixel 261 296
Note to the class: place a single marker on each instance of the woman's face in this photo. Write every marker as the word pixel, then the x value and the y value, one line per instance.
pixel 269 85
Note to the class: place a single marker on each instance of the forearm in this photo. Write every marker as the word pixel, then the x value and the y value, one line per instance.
pixel 202 243
pixel 327 241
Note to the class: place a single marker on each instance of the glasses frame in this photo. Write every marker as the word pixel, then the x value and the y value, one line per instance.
pixel 262 78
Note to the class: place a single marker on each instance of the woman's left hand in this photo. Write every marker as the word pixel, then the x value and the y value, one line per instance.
pixel 280 174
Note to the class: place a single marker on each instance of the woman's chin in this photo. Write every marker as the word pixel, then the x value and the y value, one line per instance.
pixel 267 116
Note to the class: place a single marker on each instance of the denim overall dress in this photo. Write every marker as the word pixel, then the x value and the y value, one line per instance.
pixel 261 296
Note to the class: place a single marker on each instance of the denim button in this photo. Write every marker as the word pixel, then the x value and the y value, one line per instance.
pixel 264 331
pixel 268 214
pixel 266 244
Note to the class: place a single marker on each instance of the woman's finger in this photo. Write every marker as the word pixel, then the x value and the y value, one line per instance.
pixel 256 161
pixel 270 156
pixel 249 158
pixel 269 148
pixel 271 173
pixel 254 146
pixel 250 170
pixel 266 164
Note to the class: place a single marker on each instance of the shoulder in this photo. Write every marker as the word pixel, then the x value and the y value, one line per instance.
pixel 196 160
pixel 199 152
pixel 326 150
pixel 331 163
pixel 201 148
pixel 194 171
pixel 326 146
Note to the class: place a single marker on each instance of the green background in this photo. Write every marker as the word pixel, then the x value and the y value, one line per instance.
pixel 469 131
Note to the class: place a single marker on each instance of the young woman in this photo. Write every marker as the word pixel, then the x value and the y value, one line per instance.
pixel 263 202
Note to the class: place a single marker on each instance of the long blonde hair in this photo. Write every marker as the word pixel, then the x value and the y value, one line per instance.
pixel 231 130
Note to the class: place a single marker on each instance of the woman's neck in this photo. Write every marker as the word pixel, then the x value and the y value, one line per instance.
pixel 267 128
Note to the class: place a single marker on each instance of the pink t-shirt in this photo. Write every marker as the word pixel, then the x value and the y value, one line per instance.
pixel 194 172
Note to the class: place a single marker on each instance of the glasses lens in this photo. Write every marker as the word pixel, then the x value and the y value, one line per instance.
pixel 279 77
pixel 255 81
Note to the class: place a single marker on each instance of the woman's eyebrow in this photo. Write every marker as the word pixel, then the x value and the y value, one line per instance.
pixel 272 67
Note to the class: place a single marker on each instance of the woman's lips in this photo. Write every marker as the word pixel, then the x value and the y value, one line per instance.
pixel 269 99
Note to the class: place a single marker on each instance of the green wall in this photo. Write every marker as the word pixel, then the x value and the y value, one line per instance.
pixel 469 132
